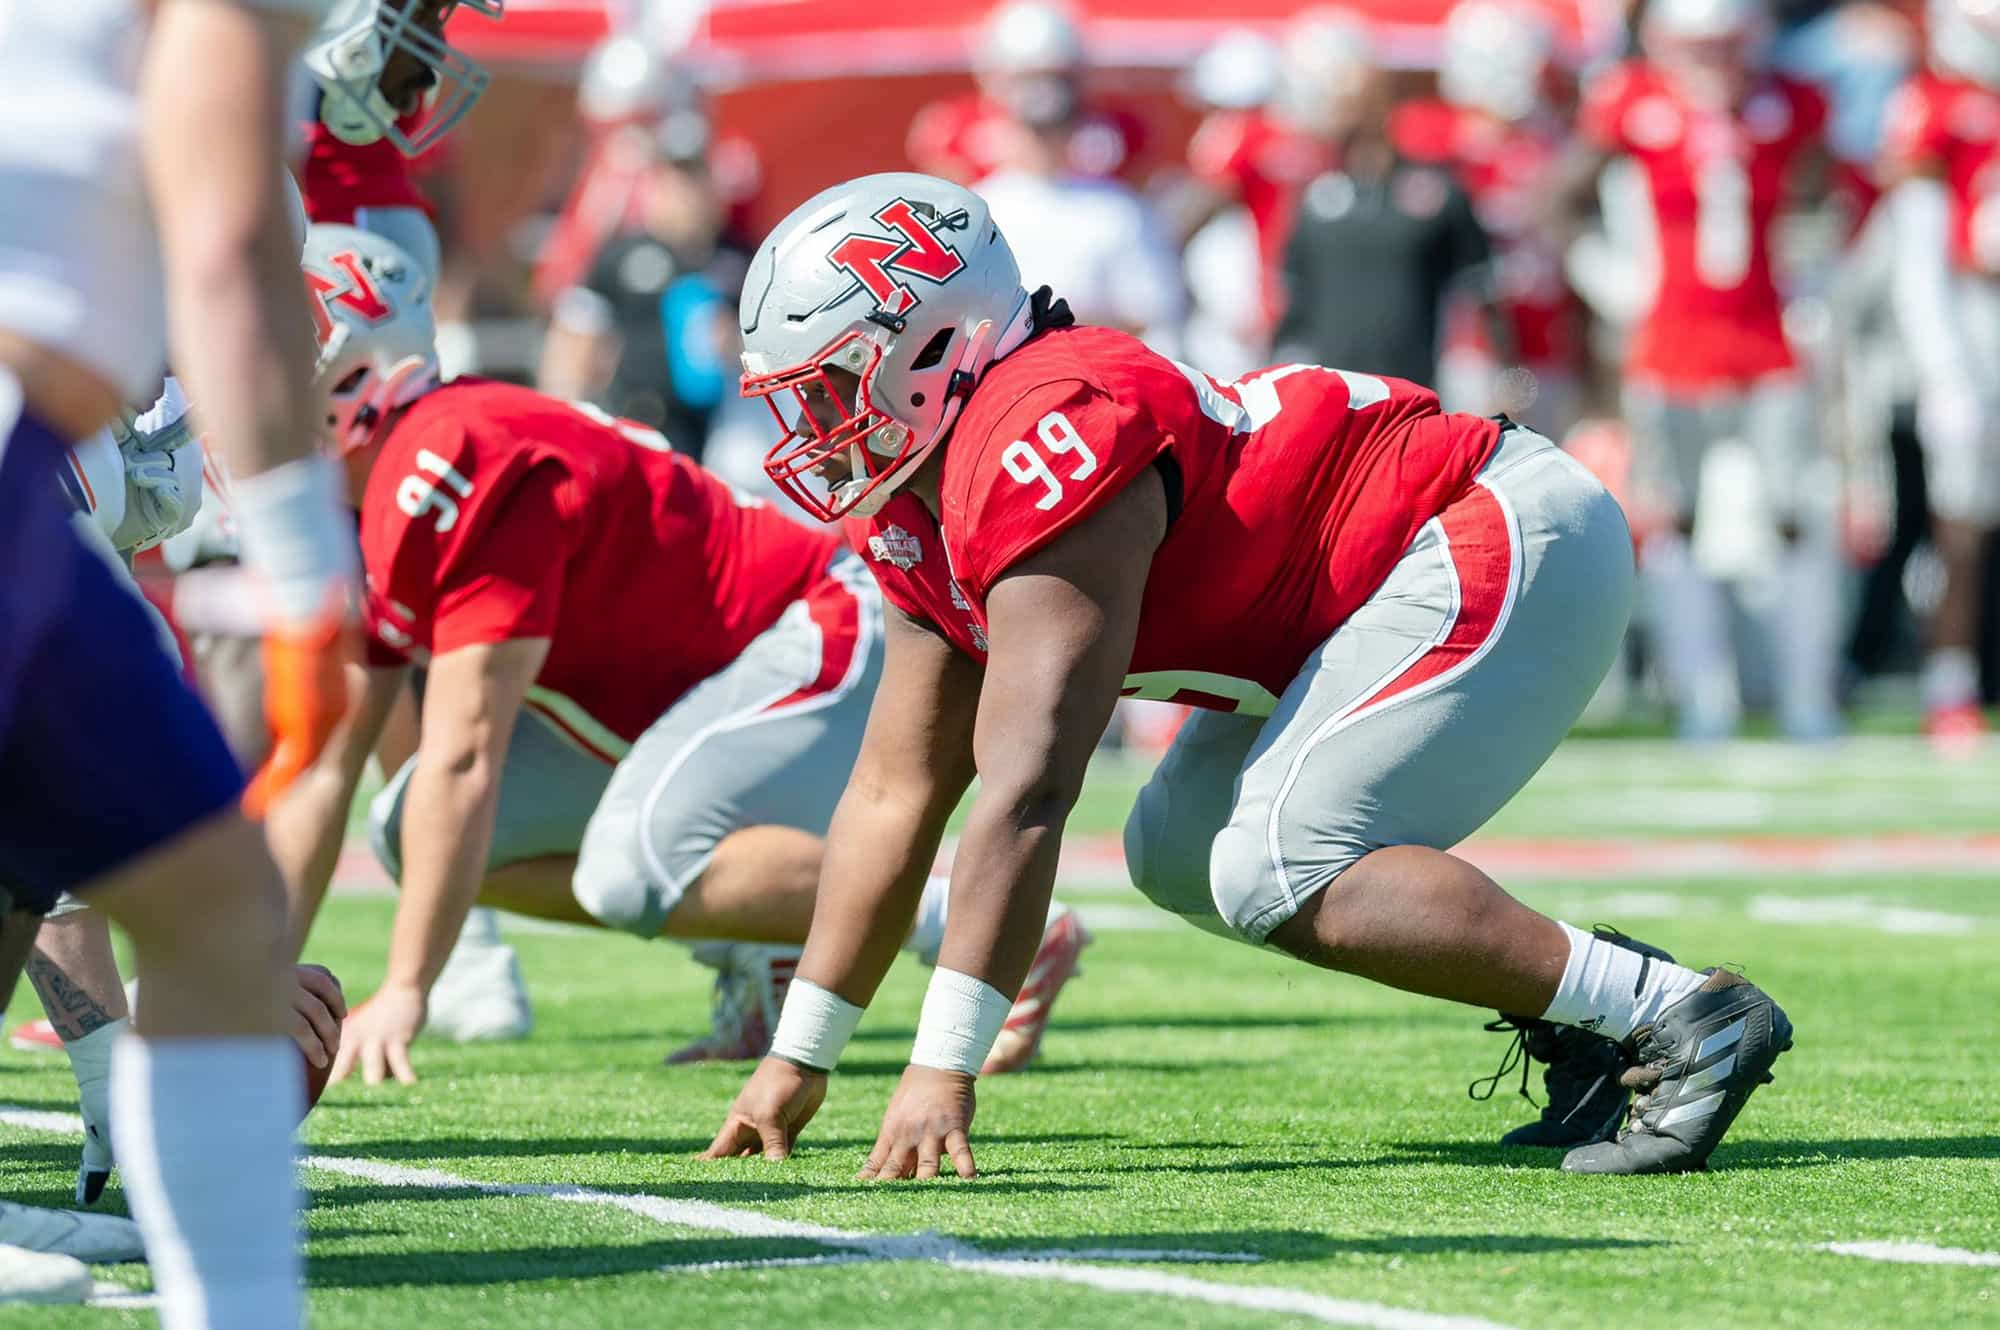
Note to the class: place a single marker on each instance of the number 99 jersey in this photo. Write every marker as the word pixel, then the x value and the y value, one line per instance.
pixel 1291 495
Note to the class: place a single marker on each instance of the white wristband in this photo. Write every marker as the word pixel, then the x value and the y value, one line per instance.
pixel 814 1026
pixel 296 535
pixel 962 1017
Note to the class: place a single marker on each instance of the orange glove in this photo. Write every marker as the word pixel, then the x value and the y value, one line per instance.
pixel 305 695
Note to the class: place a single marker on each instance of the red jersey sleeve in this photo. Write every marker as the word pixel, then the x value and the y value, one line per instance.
pixel 936 141
pixel 1057 456
pixel 340 178
pixel 1809 113
pixel 505 581
pixel 1917 130
pixel 1219 151
pixel 1600 119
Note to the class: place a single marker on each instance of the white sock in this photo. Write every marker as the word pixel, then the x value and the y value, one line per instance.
pixel 204 1132
pixel 1951 678
pixel 1613 991
pixel 1689 619
pixel 927 934
pixel 482 929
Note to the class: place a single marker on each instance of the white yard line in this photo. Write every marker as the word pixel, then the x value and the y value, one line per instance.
pixel 1913 1253
pixel 1060 1267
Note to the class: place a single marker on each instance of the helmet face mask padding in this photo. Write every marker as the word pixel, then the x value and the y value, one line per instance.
pixel 900 281
pixel 362 40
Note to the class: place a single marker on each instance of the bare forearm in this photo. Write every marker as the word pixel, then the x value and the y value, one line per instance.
pixel 306 829
pixel 879 852
pixel 75 973
pixel 1001 883
pixel 447 832
pixel 241 334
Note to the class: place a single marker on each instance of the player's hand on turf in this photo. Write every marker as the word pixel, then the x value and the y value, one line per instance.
pixel 928 1120
pixel 378 1034
pixel 318 1008
pixel 773 1108
pixel 305 695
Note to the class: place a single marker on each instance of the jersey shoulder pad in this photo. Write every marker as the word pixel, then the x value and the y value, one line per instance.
pixel 1052 456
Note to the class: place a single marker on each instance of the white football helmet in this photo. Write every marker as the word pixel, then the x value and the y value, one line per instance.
pixel 1965 39
pixel 1028 37
pixel 1324 55
pixel 355 45
pixel 1709 47
pixel 868 316
pixel 371 306
pixel 626 78
pixel 1495 58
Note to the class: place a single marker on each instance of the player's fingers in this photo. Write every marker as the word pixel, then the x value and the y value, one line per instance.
pixel 343 1063
pixel 728 1142
pixel 373 1062
pixel 777 1141
pixel 307 1038
pixel 321 1032
pixel 929 1154
pixel 319 981
pixel 876 1158
pixel 959 1147
pixel 399 1062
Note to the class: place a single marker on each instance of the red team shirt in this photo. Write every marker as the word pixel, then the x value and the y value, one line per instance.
pixel 1301 488
pixel 495 512
pixel 1716 182
pixel 1952 126
pixel 1504 169
pixel 339 178
pixel 966 138
pixel 1262 163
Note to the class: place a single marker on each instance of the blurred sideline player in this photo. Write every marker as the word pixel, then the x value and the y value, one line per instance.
pixel 1262 157
pixel 1032 105
pixel 161 206
pixel 1494 128
pixel 643 691
pixel 1941 160
pixel 1717 139
pixel 1358 591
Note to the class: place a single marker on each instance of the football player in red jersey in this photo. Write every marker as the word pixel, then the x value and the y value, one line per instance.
pixel 642 691
pixel 1030 108
pixel 1718 140
pixel 1942 164
pixel 1262 157
pixel 390 87
pixel 1494 128
pixel 1387 615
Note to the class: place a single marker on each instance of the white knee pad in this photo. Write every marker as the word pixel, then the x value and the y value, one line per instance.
pixel 385 822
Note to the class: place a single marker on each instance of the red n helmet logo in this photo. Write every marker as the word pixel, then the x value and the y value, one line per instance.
pixel 875 261
pixel 356 293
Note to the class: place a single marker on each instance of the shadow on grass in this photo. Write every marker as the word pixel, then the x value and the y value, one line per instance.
pixel 696 1255
pixel 441 1149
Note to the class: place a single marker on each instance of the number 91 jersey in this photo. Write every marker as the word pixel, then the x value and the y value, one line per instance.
pixel 496 513
pixel 1291 494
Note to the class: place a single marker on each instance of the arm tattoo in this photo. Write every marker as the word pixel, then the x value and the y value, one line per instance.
pixel 71 1010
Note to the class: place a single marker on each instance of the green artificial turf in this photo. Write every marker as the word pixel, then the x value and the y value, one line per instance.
pixel 1197 1095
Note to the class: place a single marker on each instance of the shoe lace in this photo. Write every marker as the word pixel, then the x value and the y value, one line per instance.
pixel 1516 1057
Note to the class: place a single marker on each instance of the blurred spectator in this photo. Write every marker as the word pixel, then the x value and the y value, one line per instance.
pixel 649 333
pixel 1259 157
pixel 1717 140
pixel 1097 243
pixel 1494 128
pixel 1228 329
pixel 1031 103
pixel 1379 241
pixel 1942 151
pixel 627 88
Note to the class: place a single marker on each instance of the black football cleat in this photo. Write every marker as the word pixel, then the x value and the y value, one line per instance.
pixel 1586 1099
pixel 1694 1070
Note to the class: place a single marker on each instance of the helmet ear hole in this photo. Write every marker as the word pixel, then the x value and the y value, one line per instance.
pixel 916 399
pixel 932 353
